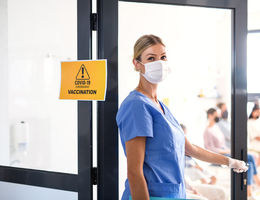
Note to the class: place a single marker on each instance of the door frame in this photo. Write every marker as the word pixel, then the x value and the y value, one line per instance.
pixel 81 182
pixel 107 130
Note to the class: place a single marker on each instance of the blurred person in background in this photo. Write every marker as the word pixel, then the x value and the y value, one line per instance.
pixel 206 189
pixel 194 170
pixel 223 124
pixel 214 140
pixel 253 131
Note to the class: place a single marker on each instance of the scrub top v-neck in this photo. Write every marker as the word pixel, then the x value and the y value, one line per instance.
pixel 163 166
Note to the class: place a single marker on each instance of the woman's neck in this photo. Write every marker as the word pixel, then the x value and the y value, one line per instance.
pixel 211 123
pixel 147 89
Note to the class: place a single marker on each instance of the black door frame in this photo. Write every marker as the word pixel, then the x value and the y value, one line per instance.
pixel 107 130
pixel 81 182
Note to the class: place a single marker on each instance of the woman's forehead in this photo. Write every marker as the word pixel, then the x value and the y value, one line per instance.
pixel 157 49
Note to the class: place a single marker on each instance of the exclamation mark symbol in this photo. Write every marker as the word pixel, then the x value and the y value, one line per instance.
pixel 82 72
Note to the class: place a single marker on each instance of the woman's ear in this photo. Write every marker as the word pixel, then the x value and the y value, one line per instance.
pixel 137 65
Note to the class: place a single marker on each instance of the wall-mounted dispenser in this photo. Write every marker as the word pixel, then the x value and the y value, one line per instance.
pixel 19 140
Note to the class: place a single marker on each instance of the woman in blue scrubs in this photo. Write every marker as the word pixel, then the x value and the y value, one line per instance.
pixel 152 138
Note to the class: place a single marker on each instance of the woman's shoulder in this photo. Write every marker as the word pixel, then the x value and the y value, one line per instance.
pixel 253 121
pixel 135 99
pixel 134 103
pixel 209 130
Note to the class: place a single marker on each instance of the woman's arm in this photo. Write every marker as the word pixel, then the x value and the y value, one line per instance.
pixel 135 152
pixel 205 155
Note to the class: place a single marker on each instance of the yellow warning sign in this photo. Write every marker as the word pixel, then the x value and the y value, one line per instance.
pixel 83 73
pixel 84 80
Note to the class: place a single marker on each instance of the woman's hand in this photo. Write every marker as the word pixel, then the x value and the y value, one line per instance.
pixel 198 167
pixel 194 191
pixel 213 180
pixel 238 166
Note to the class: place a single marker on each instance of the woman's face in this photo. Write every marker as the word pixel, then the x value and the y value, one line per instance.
pixel 256 113
pixel 214 117
pixel 151 54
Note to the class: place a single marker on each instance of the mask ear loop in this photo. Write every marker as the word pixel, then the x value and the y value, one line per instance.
pixel 140 63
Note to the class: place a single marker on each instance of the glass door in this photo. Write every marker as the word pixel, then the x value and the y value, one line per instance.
pixel 206 47
pixel 198 48
pixel 45 142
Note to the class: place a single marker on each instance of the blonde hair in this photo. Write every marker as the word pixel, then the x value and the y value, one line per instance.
pixel 143 43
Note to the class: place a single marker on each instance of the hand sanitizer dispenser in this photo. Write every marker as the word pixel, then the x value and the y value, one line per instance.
pixel 19 143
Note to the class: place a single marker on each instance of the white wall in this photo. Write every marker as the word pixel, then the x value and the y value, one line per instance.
pixel 253 62
pixel 253 14
pixel 4 137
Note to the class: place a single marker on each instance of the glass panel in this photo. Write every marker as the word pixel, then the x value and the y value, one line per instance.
pixel 253 62
pixel 198 46
pixel 38 130
pixel 253 14
pixel 12 191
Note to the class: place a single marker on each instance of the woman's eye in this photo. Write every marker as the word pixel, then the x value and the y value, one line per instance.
pixel 163 58
pixel 150 58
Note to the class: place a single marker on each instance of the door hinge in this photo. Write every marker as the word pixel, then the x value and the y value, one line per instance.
pixel 94 175
pixel 94 21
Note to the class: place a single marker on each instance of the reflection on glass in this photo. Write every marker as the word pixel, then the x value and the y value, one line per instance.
pixel 198 45
pixel 39 129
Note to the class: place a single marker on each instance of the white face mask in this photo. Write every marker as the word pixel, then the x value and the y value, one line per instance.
pixel 156 71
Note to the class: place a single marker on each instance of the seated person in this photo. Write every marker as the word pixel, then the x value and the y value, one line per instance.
pixel 192 193
pixel 194 171
pixel 214 140
pixel 204 191
pixel 223 124
pixel 253 129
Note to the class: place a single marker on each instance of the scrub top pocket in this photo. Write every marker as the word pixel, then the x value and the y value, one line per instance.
pixel 165 189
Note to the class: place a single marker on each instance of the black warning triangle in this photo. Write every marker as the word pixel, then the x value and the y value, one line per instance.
pixel 83 73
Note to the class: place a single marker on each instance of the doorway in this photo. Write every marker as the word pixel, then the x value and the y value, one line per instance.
pixel 78 182
pixel 236 66
pixel 198 46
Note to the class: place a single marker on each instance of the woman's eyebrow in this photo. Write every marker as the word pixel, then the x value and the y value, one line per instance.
pixel 152 54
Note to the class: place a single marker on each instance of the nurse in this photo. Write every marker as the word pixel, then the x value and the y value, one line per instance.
pixel 152 138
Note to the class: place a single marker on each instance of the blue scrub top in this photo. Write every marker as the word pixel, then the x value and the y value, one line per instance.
pixel 165 142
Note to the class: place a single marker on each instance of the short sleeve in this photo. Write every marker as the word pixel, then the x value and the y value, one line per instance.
pixel 135 120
